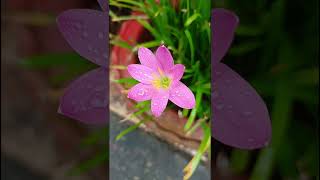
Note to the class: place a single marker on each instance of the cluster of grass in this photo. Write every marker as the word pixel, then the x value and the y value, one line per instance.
pixel 186 31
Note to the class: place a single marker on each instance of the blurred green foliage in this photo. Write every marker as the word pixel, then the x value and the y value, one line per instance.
pixel 277 49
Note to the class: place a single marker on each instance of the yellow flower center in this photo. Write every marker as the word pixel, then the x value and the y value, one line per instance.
pixel 162 82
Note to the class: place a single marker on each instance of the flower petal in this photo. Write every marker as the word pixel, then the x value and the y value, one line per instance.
pixel 182 96
pixel 104 5
pixel 159 102
pixel 240 117
pixel 164 57
pixel 87 99
pixel 147 58
pixel 177 72
pixel 223 27
pixel 86 31
pixel 141 92
pixel 141 73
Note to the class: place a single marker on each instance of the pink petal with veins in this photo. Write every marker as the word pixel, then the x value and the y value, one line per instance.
pixel 147 58
pixel 164 57
pixel 177 72
pixel 182 96
pixel 141 73
pixel 159 102
pixel 141 92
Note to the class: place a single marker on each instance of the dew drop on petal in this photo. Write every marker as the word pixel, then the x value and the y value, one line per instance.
pixel 141 92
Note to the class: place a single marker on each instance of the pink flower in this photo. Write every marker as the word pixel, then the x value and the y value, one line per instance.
pixel 159 81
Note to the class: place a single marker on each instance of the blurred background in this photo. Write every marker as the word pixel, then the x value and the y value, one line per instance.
pixel 37 142
pixel 276 49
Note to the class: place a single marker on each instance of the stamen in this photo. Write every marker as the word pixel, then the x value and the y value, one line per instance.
pixel 163 82
pixel 160 71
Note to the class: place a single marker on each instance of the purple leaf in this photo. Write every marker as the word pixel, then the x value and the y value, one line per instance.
pixel 87 33
pixel 240 117
pixel 223 27
pixel 87 99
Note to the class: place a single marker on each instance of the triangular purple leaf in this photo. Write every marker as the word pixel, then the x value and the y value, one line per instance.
pixel 240 117
pixel 87 99
pixel 87 33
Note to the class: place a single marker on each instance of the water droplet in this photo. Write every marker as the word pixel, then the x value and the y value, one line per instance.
pixel 99 88
pixel 215 95
pixel 97 102
pixel 90 48
pixel 220 106
pixel 85 34
pixel 141 92
pixel 247 113
pixel 229 106
pixel 246 93
pixel 78 26
pixel 100 35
